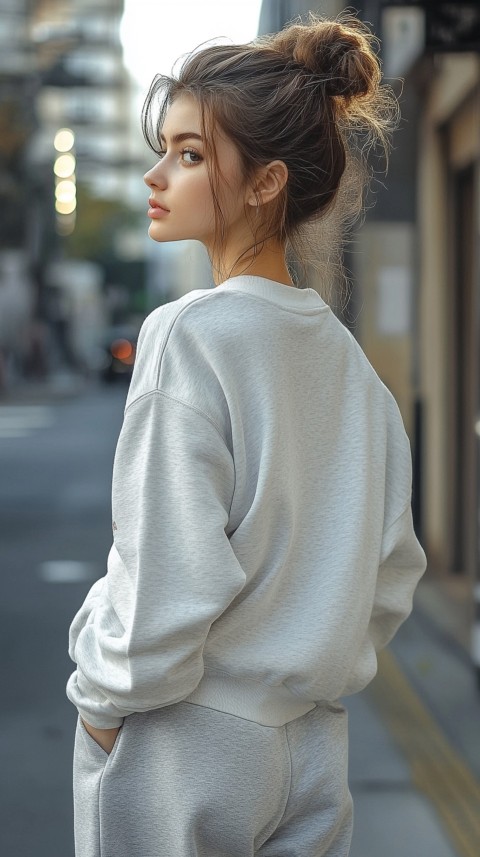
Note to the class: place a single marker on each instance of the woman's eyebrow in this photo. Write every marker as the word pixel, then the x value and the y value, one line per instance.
pixel 179 138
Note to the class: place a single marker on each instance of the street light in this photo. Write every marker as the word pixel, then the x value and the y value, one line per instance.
pixel 65 181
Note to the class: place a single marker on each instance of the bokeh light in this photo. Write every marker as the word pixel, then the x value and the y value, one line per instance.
pixel 64 140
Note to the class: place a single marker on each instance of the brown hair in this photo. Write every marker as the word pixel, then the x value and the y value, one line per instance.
pixel 311 96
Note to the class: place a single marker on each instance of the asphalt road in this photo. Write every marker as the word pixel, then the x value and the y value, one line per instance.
pixel 55 532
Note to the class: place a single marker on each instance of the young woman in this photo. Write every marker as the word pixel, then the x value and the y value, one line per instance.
pixel 263 547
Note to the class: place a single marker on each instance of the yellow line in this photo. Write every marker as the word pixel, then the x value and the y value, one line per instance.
pixel 436 768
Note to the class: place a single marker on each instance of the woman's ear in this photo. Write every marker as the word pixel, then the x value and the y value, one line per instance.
pixel 270 181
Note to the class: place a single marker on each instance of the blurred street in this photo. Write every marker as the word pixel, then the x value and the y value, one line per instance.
pixel 55 511
pixel 415 767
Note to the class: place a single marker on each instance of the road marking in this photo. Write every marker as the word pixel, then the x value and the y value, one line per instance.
pixel 22 420
pixel 436 768
pixel 67 571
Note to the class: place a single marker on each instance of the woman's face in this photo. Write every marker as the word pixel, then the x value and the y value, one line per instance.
pixel 181 202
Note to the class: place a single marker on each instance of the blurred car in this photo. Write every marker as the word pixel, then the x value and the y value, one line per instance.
pixel 117 350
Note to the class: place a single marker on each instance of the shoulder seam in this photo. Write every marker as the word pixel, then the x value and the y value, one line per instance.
pixel 178 401
pixel 167 335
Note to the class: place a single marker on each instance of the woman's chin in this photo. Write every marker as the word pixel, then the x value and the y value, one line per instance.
pixel 159 234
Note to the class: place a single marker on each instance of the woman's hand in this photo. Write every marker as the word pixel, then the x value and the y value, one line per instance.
pixel 104 737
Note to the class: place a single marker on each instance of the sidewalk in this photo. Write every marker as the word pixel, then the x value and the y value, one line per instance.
pixel 392 818
pixel 415 751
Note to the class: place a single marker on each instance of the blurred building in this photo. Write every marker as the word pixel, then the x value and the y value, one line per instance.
pixel 85 87
pixel 17 115
pixel 435 48
pixel 17 124
pixel 420 262
pixel 66 123
pixel 415 305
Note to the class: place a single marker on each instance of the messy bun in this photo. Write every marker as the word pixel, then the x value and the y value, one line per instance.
pixel 311 96
pixel 340 54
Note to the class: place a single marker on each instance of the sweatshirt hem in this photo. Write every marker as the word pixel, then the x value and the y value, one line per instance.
pixel 252 700
pixel 98 721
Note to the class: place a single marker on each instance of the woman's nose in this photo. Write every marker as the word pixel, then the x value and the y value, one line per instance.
pixel 155 177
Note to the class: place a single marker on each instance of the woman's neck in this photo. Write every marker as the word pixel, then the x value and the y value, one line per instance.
pixel 269 263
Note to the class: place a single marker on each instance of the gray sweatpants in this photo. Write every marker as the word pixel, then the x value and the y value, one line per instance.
pixel 190 781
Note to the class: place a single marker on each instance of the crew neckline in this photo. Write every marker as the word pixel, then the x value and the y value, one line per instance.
pixel 289 297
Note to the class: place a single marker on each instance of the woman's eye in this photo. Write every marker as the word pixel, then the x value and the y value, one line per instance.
pixel 190 157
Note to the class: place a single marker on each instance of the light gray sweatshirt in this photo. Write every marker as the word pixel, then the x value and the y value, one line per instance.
pixel 263 547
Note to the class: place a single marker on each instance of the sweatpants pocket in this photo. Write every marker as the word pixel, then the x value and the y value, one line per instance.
pixel 90 762
pixel 93 747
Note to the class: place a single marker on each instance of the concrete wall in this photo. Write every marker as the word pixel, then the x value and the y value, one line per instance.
pixel 449 140
pixel 385 301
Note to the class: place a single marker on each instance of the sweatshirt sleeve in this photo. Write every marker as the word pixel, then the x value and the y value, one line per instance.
pixel 401 561
pixel 402 564
pixel 138 640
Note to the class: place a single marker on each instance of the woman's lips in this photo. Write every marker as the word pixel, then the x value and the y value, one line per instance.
pixel 156 210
